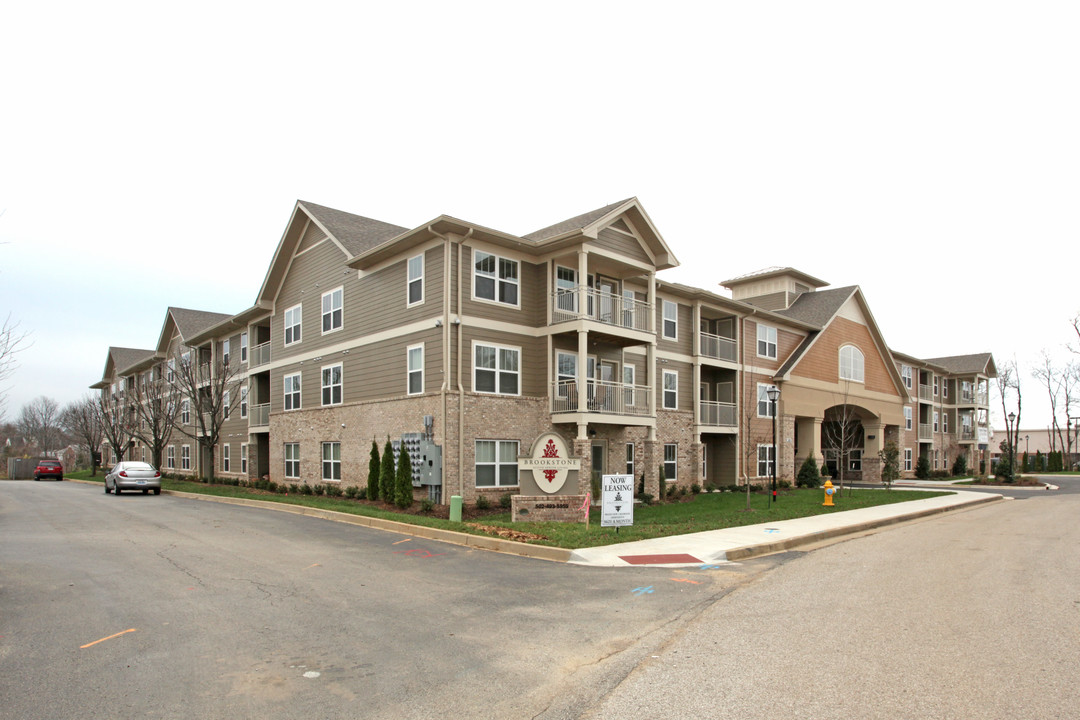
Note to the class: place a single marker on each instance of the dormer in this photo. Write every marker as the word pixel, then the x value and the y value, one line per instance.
pixel 774 288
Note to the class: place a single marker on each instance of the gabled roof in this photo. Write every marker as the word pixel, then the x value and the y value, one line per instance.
pixel 188 323
pixel 119 359
pixel 774 271
pixel 819 308
pixel 355 233
pixel 578 222
pixel 979 363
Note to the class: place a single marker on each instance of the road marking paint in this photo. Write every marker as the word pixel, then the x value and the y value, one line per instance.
pixel 418 552
pixel 686 580
pixel 83 647
pixel 710 567
pixel 401 541
pixel 312 565
pixel 639 591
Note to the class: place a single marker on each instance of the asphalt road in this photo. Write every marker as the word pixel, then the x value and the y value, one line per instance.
pixel 165 607
pixel 967 615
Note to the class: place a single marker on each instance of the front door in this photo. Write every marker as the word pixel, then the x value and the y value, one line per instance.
pixel 607 289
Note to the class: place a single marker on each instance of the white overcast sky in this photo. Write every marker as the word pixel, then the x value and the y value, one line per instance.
pixel 150 154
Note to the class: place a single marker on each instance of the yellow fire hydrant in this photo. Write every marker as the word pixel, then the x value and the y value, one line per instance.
pixel 829 490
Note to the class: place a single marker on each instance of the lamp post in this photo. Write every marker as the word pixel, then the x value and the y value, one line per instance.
pixel 1009 434
pixel 774 394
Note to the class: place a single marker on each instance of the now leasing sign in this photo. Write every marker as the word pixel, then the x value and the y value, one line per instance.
pixel 617 507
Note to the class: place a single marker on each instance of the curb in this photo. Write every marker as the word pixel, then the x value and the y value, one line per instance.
pixel 750 551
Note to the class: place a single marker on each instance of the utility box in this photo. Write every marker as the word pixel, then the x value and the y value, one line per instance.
pixel 426 458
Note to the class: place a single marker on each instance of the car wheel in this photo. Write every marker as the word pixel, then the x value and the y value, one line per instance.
pixel 157 491
pixel 144 492
pixel 116 490
pixel 106 488
pixel 36 478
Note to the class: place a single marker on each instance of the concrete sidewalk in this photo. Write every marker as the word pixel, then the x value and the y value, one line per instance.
pixel 717 546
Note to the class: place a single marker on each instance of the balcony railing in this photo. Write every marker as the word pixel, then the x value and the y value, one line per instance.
pixel 259 415
pixel 925 431
pixel 926 393
pixel 260 355
pixel 715 346
pixel 585 303
pixel 717 414
pixel 602 397
pixel 967 433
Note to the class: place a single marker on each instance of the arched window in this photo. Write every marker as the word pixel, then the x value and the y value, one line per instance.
pixel 851 363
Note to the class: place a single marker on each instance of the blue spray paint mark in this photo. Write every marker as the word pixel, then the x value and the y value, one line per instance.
pixel 639 591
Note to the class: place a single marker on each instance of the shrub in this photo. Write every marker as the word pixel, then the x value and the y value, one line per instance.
pixel 304 489
pixel 318 489
pixel 890 463
pixel 403 496
pixel 646 498
pixel 711 488
pixel 595 485
pixel 641 487
pixel 351 491
pixel 506 501
pixel 271 486
pixel 373 472
pixel 922 468
pixel 426 505
pixel 1055 463
pixel 809 476
pixel 482 503
pixel 386 473
pixel 663 484
pixel 783 484
pixel 960 468
pixel 336 491
pixel 695 488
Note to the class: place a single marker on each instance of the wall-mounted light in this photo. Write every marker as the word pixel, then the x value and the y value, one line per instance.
pixel 438 323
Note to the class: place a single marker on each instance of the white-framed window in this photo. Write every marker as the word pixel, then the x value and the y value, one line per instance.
pixel 935 384
pixel 170 370
pixel 766 458
pixel 671 320
pixel 630 459
pixel 945 422
pixel 243 458
pixel 671 390
pixel 293 320
pixel 292 460
pixel 144 453
pixel 566 371
pixel 225 352
pixel 185 412
pixel 765 407
pixel 907 417
pixel 766 341
pixel 416 280
pixel 905 373
pixel 851 364
pixel 495 278
pixel 566 285
pixel 416 369
pixel 496 369
pixel 945 388
pixel 225 405
pixel 907 459
pixel 629 397
pixel 170 457
pixel 226 458
pixel 292 391
pixel 331 461
pixel 185 457
pixel 331 385
pixel 937 420
pixel 332 314
pixel 496 463
pixel 243 401
pixel 855 460
pixel 243 347
pixel 671 461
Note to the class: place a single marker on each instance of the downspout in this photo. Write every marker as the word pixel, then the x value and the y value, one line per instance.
pixel 460 386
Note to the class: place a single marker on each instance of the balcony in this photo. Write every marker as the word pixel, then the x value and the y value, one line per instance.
pixel 260 355
pixel 259 415
pixel 717 414
pixel 609 398
pixel 925 431
pixel 717 347
pixel 967 434
pixel 585 303
pixel 926 393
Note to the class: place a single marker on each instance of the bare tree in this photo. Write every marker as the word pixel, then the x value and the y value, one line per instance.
pixel 39 420
pixel 12 342
pixel 841 433
pixel 82 420
pixel 157 407
pixel 212 388
pixel 1060 383
pixel 117 424
pixel 750 443
pixel 1008 382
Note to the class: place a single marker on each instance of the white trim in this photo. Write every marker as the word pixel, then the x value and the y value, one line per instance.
pixel 774 342
pixel 323 312
pixel 409 280
pixel 286 459
pixel 664 319
pixel 664 390
pixel 333 462
pixel 674 463
pixel 856 363
pixel 296 390
pixel 763 392
pixel 496 280
pixel 226 457
pixel 496 464
pixel 340 385
pixel 409 369
pixel 497 370
pixel 243 458
pixel 297 311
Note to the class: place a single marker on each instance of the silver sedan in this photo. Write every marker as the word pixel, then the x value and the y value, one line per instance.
pixel 133 476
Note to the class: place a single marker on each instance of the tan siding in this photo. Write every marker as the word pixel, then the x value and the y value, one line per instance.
pixel 530 295
pixel 312 236
pixel 684 343
pixel 622 244
pixel 312 274
pixel 786 343
pixel 822 362
pixel 534 370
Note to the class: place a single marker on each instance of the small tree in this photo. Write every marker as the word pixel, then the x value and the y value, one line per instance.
pixel 890 464
pixel 959 467
pixel 922 468
pixel 117 425
pixel 809 476
pixel 373 472
pixel 403 495
pixel 82 419
pixel 386 473
pixel 663 485
pixel 213 390
pixel 1004 469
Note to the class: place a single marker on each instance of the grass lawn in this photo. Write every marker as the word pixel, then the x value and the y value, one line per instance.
pixel 707 511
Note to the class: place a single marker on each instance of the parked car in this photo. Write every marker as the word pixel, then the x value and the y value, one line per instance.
pixel 133 476
pixel 49 468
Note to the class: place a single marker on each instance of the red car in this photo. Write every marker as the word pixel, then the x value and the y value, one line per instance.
pixel 49 468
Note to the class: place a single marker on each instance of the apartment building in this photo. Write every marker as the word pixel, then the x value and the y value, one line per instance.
pixel 481 342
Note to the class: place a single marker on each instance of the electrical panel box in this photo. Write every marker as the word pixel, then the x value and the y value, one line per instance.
pixel 425 457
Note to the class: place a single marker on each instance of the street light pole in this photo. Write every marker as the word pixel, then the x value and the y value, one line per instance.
pixel 774 395
pixel 1009 434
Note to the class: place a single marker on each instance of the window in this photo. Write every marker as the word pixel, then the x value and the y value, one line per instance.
pixel 225 405
pixel 170 457
pixel 331 310
pixel 226 459
pixel 185 412
pixel 225 353
pixel 331 461
pixel 292 460
pixel 936 420
pixel 765 407
pixel 243 401
pixel 170 371
pixel 566 371
pixel 566 289
pixel 945 422
pixel 671 464
pixel 944 388
pixel 416 369
pixel 855 460
pixel 331 385
pixel 416 280
pixel 293 318
pixel 766 341
pixel 292 392
pixel 671 320
pixel 907 417
pixel 935 387
pixel 495 278
pixel 243 347
pixel 905 373
pixel 851 363
pixel 496 463
pixel 907 459
pixel 766 458
pixel 630 459
pixel 243 458
pixel 185 457
pixel 496 370
pixel 628 383
pixel 671 390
